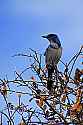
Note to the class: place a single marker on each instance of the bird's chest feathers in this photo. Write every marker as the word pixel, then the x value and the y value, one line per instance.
pixel 53 55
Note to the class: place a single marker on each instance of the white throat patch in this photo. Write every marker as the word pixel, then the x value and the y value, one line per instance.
pixel 55 45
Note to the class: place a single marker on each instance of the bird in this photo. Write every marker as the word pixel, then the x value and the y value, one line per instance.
pixel 52 56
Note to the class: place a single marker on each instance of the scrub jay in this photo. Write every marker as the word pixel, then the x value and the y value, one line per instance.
pixel 52 56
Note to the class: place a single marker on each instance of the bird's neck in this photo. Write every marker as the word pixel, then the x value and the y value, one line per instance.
pixel 54 45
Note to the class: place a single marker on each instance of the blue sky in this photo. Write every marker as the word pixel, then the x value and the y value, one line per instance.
pixel 22 22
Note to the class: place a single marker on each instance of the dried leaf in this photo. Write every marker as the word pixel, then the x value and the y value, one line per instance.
pixel 33 78
pixel 63 98
pixel 4 90
pixel 77 107
pixel 78 74
pixel 78 96
pixel 40 102
pixel 65 90
pixel 21 123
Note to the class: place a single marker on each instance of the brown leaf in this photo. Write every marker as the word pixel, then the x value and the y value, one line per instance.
pixel 40 102
pixel 21 123
pixel 4 90
pixel 77 107
pixel 78 74
pixel 63 98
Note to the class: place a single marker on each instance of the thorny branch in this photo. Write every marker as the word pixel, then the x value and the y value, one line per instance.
pixel 40 105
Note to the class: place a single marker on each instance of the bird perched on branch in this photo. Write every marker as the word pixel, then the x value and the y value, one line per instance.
pixel 52 56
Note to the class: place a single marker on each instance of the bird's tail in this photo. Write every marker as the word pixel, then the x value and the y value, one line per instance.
pixel 50 80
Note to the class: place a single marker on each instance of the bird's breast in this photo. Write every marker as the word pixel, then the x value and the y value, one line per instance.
pixel 53 55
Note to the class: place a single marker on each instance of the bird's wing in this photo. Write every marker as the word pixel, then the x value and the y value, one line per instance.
pixel 52 56
pixel 46 51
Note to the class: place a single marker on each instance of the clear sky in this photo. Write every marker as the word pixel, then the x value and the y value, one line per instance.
pixel 22 22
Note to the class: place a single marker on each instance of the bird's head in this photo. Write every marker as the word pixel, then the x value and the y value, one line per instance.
pixel 53 38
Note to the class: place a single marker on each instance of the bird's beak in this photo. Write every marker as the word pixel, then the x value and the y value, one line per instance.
pixel 44 36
